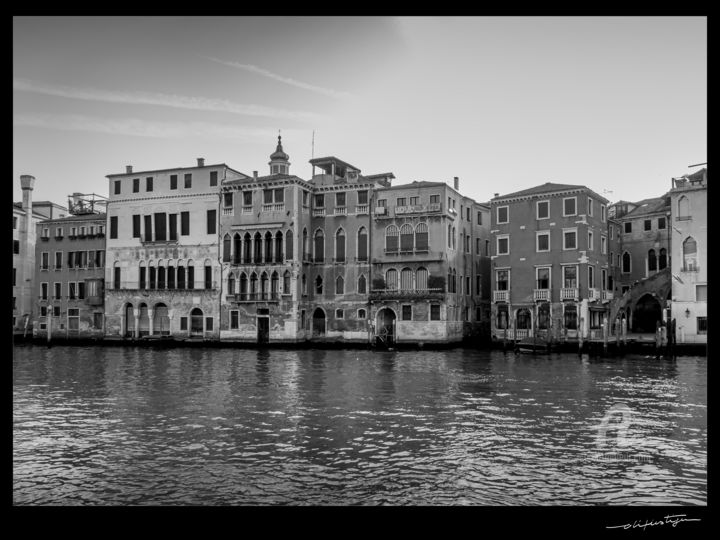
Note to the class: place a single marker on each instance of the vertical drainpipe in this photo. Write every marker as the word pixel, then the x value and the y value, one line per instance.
pixel 219 235
pixel 370 274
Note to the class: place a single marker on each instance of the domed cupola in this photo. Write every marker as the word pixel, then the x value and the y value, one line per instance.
pixel 279 163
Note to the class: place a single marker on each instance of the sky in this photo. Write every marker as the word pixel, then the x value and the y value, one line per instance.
pixel 618 104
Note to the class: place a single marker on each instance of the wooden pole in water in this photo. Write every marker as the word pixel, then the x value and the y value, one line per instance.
pixel 580 335
pixel 605 336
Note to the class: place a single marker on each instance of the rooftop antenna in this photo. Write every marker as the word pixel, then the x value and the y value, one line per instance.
pixel 312 154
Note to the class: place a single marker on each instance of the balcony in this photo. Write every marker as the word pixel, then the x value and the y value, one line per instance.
pixel 156 242
pixel 607 296
pixel 593 295
pixel 541 295
pixel 228 211
pixel 399 294
pixel 273 207
pixel 570 293
pixel 690 268
pixel 247 209
pixel 45 237
pixel 340 260
pixel 256 297
pixel 501 296
pixel 317 212
pixel 418 208
pixel 340 211
pixel 362 209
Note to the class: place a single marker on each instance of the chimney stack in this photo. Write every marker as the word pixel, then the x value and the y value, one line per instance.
pixel 496 195
pixel 456 183
pixel 201 162
pixel 128 169
pixel 27 183
pixel 255 175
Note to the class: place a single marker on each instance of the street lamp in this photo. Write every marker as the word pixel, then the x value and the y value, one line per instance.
pixel 687 313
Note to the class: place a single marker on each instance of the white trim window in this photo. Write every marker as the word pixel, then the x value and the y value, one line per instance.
pixel 502 246
pixel 570 239
pixel 569 210
pixel 590 207
pixel 543 277
pixel 542 241
pixel 603 245
pixel 603 216
pixel 591 277
pixel 545 212
pixel 603 276
pixel 505 215
pixel 591 246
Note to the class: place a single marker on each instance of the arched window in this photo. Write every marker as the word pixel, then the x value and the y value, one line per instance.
pixel 406 237
pixel 274 285
pixel 171 275
pixel 340 245
pixel 247 248
pixel 318 285
pixel 180 275
pixel 391 279
pixel 161 275
pixel 392 234
pixel 626 263
pixel 319 246
pixel 305 245
pixel 243 286
pixel 237 252
pixel 449 243
pixel 268 247
pixel 152 276
pixel 690 262
pixel 339 285
pixel 570 316
pixel 454 280
pixel 278 247
pixel 304 284
pixel 190 274
pixel 286 282
pixel 362 244
pixel 288 245
pixel 453 237
pixel 264 285
pixel 683 207
pixel 258 248
pixel 421 279
pixel 226 248
pixel 421 236
pixel 523 319
pixel 231 283
pixel 362 285
pixel 406 279
pixel 253 286
pixel 652 261
pixel 663 259
pixel 142 276
pixel 116 275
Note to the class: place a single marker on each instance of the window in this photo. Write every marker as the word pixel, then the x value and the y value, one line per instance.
pixel 340 285
pixel 117 187
pixel 603 279
pixel 185 223
pixel 543 278
pixel 661 223
pixel 400 201
pixel 591 277
pixel 44 291
pixel 570 277
pixel 569 239
pixel 478 286
pixel 542 241
pixel 479 218
pixel 340 199
pixel 59 232
pixel 478 244
pixel 406 279
pixel 406 237
pixel 467 285
pixel 591 246
pixel 626 263
pixel 247 198
pixel 590 207
pixel 683 208
pixel 113 227
pixel 542 209
pixel 569 206
pixel 58 260
pixel 227 200
pixel 414 201
pixel 208 277
pixel 434 312
pixel 15 222
pixel 160 232
pixel 81 290
pixel 116 277
pixel 319 246
pixel 663 258
pixel 212 221
pixel 340 246
pixel 406 313
pixel 501 320
pixel 149 183
pixel 602 213
pixel 234 315
pixel 213 178
pixel 628 227
pixel 56 313
pixel 570 317
pixel 320 201
pixel 652 261
pixel 503 280
pixel 148 228
pixel 647 225
pixel 173 226
pixel 362 285
pixel 392 236
pixel 503 214
pixel 16 246
pixel 142 280
pixel 361 314
pixel 318 285
pixel 183 323
pixel 362 197
pixel 382 203
pixel 702 325
pixel 43 311
pixel 391 279
pixel 188 180
pixel 362 244
pixel 58 290
pixel 503 244
pixel 339 314
pixel 612 232
pixel 190 276
pixel 14 278
pixel 487 248
pixel 136 185
pixel 173 181
pixel 689 250
pixel 603 245
pixel 434 199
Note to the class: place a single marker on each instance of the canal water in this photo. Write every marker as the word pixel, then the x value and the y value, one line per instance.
pixel 116 426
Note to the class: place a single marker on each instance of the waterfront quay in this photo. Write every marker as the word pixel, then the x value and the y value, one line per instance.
pixel 199 426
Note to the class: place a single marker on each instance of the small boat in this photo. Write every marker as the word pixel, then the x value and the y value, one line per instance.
pixel 532 346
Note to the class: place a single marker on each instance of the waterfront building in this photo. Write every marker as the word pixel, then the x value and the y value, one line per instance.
pixel 430 248
pixel 163 269
pixel 550 270
pixel 295 253
pixel 689 256
pixel 26 215
pixel 70 271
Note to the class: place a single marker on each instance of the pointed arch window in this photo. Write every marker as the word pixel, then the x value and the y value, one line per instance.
pixel 243 286
pixel 253 285
pixel 652 261
pixel 319 246
pixel 231 284
pixel 453 237
pixel 305 245
pixel 362 244
pixel 392 236
pixel 318 285
pixel 286 282
pixel 268 247
pixel 226 248
pixel 288 245
pixel 340 246
pixel 246 248
pixel 662 262
pixel 626 263
pixel 257 247
pixel 275 285
pixel 278 247
pixel 362 285
pixel 340 285
pixel 264 285
pixel 690 260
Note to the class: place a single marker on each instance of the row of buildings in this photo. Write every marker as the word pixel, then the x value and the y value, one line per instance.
pixel 209 252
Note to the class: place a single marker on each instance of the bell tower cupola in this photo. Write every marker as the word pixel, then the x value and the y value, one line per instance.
pixel 279 163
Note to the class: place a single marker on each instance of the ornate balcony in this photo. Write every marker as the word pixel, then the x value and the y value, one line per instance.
pixel 361 209
pixel 501 296
pixel 399 294
pixel 607 296
pixel 541 295
pixel 593 295
pixel 341 211
pixel 273 207
pixel 247 209
pixel 570 293
pixel 318 212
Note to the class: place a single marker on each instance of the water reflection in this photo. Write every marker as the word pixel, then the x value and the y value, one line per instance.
pixel 232 426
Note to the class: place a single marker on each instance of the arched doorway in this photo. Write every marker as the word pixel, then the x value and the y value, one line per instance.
pixel 318 327
pixel 161 320
pixel 523 319
pixel 129 321
pixel 144 320
pixel 646 314
pixel 385 327
pixel 196 322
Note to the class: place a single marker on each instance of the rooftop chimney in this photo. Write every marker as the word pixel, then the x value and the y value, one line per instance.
pixel 456 183
pixel 496 195
pixel 128 169
pixel 201 162
pixel 255 175
pixel 27 182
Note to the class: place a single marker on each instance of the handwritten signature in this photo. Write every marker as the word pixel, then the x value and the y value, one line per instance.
pixel 673 520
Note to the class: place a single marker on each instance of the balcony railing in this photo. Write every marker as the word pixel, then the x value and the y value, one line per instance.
pixel 541 295
pixel 406 294
pixel 156 242
pixel 520 333
pixel 341 211
pixel 137 286
pixel 501 296
pixel 318 212
pixel 361 209
pixel 607 296
pixel 247 209
pixel 569 293
pixel 273 207
pixel 593 295
pixel 228 211
pixel 257 297
pixel 690 268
